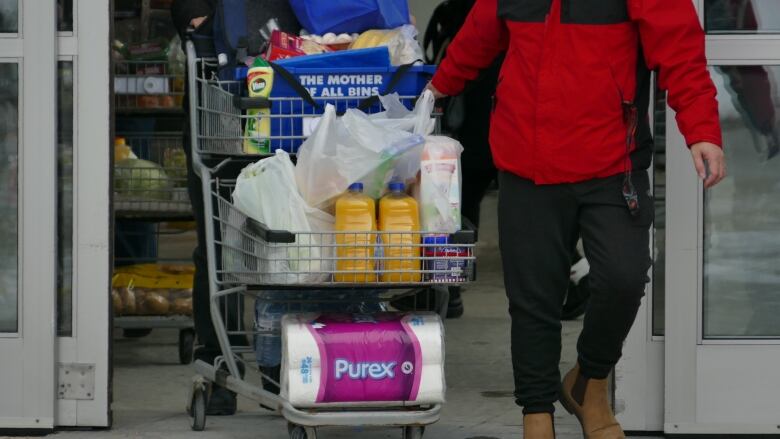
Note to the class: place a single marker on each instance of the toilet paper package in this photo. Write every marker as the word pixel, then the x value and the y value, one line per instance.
pixel 387 359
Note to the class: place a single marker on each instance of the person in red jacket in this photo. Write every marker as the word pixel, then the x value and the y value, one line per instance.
pixel 571 139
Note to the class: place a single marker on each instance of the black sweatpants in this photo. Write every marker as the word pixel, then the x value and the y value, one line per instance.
pixel 539 226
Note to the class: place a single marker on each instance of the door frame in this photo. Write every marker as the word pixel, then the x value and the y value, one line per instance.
pixel 639 374
pixel 27 357
pixel 694 365
pixel 88 46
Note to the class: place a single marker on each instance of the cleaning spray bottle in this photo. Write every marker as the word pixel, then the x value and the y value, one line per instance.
pixel 260 80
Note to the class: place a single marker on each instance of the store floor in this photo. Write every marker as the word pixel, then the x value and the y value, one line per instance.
pixel 150 386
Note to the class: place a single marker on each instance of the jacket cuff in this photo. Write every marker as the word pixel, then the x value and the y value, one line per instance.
pixel 445 83
pixel 698 138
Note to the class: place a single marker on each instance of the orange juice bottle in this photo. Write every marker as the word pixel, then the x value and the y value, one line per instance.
pixel 355 212
pixel 398 213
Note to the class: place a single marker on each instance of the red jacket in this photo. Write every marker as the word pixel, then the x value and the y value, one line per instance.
pixel 571 65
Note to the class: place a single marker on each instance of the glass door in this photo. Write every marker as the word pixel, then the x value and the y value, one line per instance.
pixel 28 150
pixel 723 301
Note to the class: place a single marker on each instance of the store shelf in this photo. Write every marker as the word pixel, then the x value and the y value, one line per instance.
pixel 148 87
pixel 130 111
pixel 153 210
pixel 145 322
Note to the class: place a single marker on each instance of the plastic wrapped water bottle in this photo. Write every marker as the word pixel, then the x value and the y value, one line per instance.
pixel 268 332
pixel 269 313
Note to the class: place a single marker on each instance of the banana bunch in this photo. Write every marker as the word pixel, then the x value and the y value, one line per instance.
pixel 374 38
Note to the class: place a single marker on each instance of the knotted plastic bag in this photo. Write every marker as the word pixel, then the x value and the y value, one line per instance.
pixel 266 191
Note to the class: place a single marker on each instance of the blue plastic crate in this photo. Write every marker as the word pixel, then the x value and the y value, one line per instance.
pixel 294 119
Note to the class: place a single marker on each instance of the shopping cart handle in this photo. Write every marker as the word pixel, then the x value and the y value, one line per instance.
pixel 466 235
pixel 268 235
pixel 243 103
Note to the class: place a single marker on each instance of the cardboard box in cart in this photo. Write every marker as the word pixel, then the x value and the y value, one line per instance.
pixel 343 87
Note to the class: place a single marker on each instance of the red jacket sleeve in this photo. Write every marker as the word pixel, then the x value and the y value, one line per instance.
pixel 481 38
pixel 673 44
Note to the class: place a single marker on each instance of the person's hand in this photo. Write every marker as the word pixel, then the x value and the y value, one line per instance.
pixel 709 155
pixel 436 93
pixel 196 22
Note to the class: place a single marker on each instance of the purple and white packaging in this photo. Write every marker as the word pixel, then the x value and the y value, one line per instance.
pixel 386 359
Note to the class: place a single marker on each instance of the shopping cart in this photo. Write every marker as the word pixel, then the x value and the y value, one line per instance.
pixel 249 262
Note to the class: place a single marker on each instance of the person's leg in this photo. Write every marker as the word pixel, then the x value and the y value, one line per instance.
pixel 617 246
pixel 204 329
pixel 537 231
pixel 221 400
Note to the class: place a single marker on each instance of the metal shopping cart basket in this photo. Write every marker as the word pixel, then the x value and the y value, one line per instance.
pixel 248 262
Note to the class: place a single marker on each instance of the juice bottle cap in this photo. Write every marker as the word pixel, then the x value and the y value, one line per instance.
pixel 396 186
pixel 356 187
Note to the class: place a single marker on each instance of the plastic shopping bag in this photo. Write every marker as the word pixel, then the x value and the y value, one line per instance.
pixel 348 149
pixel 417 121
pixel 266 191
pixel 397 116
pixel 350 16
pixel 401 43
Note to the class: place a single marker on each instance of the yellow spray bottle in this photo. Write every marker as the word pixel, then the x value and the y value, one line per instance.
pixel 260 81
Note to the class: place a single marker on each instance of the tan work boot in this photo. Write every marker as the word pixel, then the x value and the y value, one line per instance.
pixel 538 426
pixel 587 400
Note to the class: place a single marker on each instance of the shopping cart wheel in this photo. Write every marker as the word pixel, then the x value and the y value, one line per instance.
pixel 301 432
pixel 198 410
pixel 413 432
pixel 186 345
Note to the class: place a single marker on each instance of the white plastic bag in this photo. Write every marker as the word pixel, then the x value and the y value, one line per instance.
pixel 348 149
pixel 266 192
pixel 403 45
pixel 397 116
pixel 419 121
pixel 440 185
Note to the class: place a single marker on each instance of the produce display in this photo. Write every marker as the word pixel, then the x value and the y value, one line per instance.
pixel 141 179
pixel 122 150
pixel 153 290
pixel 175 165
